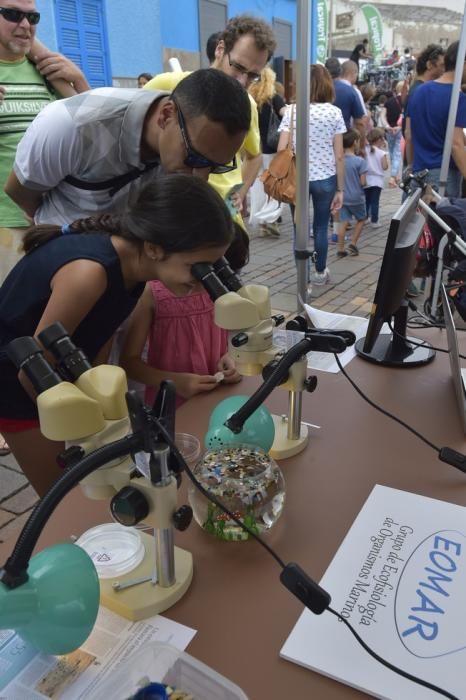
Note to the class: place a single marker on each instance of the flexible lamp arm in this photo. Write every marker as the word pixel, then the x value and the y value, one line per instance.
pixel 320 341
pixel 14 573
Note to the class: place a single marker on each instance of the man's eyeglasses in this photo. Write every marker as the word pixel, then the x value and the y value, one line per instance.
pixel 17 16
pixel 194 159
pixel 250 75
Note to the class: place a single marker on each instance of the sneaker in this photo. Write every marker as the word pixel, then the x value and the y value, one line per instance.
pixel 334 238
pixel 342 253
pixel 353 249
pixel 321 278
pixel 374 224
pixel 412 290
pixel 269 230
pixel 273 230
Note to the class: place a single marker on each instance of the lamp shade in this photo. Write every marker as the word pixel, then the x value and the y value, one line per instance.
pixel 55 610
pixel 258 429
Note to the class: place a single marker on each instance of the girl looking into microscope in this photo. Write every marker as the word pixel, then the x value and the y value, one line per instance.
pixel 89 276
pixel 196 357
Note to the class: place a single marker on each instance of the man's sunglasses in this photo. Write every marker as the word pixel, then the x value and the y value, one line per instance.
pixel 194 159
pixel 251 77
pixel 17 16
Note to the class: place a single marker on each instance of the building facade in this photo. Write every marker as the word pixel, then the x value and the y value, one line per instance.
pixel 113 40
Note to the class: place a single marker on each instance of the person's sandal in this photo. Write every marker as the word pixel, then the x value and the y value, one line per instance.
pixel 353 249
pixel 341 253
pixel 392 183
pixel 4 449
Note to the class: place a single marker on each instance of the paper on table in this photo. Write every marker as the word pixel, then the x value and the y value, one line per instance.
pixel 325 361
pixel 26 673
pixel 399 578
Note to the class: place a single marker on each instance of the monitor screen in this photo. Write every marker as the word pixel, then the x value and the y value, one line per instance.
pixel 390 304
pixel 454 355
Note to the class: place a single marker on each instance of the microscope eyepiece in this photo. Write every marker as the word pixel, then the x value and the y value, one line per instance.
pixel 72 362
pixel 26 354
pixel 226 275
pixel 205 274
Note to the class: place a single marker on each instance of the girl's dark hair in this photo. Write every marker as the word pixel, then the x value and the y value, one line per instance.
pixel 147 76
pixel 176 212
pixel 238 252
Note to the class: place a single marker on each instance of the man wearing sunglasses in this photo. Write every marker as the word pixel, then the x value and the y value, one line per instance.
pixel 24 63
pixel 94 152
pixel 243 50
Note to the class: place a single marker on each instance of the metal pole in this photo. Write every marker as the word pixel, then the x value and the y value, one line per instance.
pixel 455 96
pixel 302 145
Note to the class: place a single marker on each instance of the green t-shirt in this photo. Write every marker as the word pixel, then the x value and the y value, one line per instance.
pixel 26 94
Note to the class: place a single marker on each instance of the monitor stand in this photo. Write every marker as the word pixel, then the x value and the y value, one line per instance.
pixel 395 350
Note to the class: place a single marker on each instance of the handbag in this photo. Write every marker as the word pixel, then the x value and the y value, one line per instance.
pixel 279 179
pixel 272 137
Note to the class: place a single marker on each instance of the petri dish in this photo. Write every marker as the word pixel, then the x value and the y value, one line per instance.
pixel 114 549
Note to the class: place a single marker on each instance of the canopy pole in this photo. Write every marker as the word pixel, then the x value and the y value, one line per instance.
pixel 303 74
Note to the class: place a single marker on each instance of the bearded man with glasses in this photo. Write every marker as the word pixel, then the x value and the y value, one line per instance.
pixel 242 52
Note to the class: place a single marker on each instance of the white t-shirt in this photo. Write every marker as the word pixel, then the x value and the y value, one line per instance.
pixel 375 171
pixel 325 121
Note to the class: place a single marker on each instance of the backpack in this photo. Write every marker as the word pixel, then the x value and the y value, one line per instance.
pixel 272 138
pixel 425 254
pixel 393 109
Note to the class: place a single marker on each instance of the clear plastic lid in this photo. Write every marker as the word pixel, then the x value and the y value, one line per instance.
pixel 114 549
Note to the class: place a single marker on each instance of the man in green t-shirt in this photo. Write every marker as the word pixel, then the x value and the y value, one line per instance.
pixel 30 75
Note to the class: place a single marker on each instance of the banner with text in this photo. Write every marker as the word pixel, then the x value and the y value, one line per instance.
pixel 375 30
pixel 322 12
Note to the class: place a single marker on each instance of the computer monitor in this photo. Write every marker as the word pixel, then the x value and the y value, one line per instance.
pixel 390 304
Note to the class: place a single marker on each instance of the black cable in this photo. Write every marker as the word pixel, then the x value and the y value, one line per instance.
pixel 18 561
pixel 282 564
pixel 420 345
pixel 382 410
pixel 381 660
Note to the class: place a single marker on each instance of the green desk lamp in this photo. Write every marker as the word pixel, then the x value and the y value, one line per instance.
pixel 56 608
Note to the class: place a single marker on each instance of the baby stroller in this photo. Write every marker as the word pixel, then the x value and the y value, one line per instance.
pixel 442 249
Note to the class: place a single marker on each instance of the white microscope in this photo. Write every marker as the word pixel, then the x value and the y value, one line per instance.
pixel 245 311
pixel 86 407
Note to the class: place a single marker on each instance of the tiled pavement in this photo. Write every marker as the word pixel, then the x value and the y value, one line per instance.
pixel 350 291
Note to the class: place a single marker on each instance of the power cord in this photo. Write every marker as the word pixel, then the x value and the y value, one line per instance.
pixel 292 576
pixel 420 345
pixel 445 454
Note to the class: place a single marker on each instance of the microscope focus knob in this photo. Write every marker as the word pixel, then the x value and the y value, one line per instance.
pixel 182 518
pixel 129 506
pixel 239 339
pixel 310 384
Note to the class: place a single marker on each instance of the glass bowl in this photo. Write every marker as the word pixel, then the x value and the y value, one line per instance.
pixel 244 479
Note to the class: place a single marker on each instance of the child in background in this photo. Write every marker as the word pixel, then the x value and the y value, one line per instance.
pixel 184 344
pixel 377 162
pixel 353 199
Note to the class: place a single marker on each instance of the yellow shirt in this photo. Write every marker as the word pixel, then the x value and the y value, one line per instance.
pixel 222 183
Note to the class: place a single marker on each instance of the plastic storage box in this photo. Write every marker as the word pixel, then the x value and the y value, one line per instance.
pixel 162 663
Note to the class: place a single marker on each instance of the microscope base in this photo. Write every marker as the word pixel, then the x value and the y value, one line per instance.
pixel 282 446
pixel 146 600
